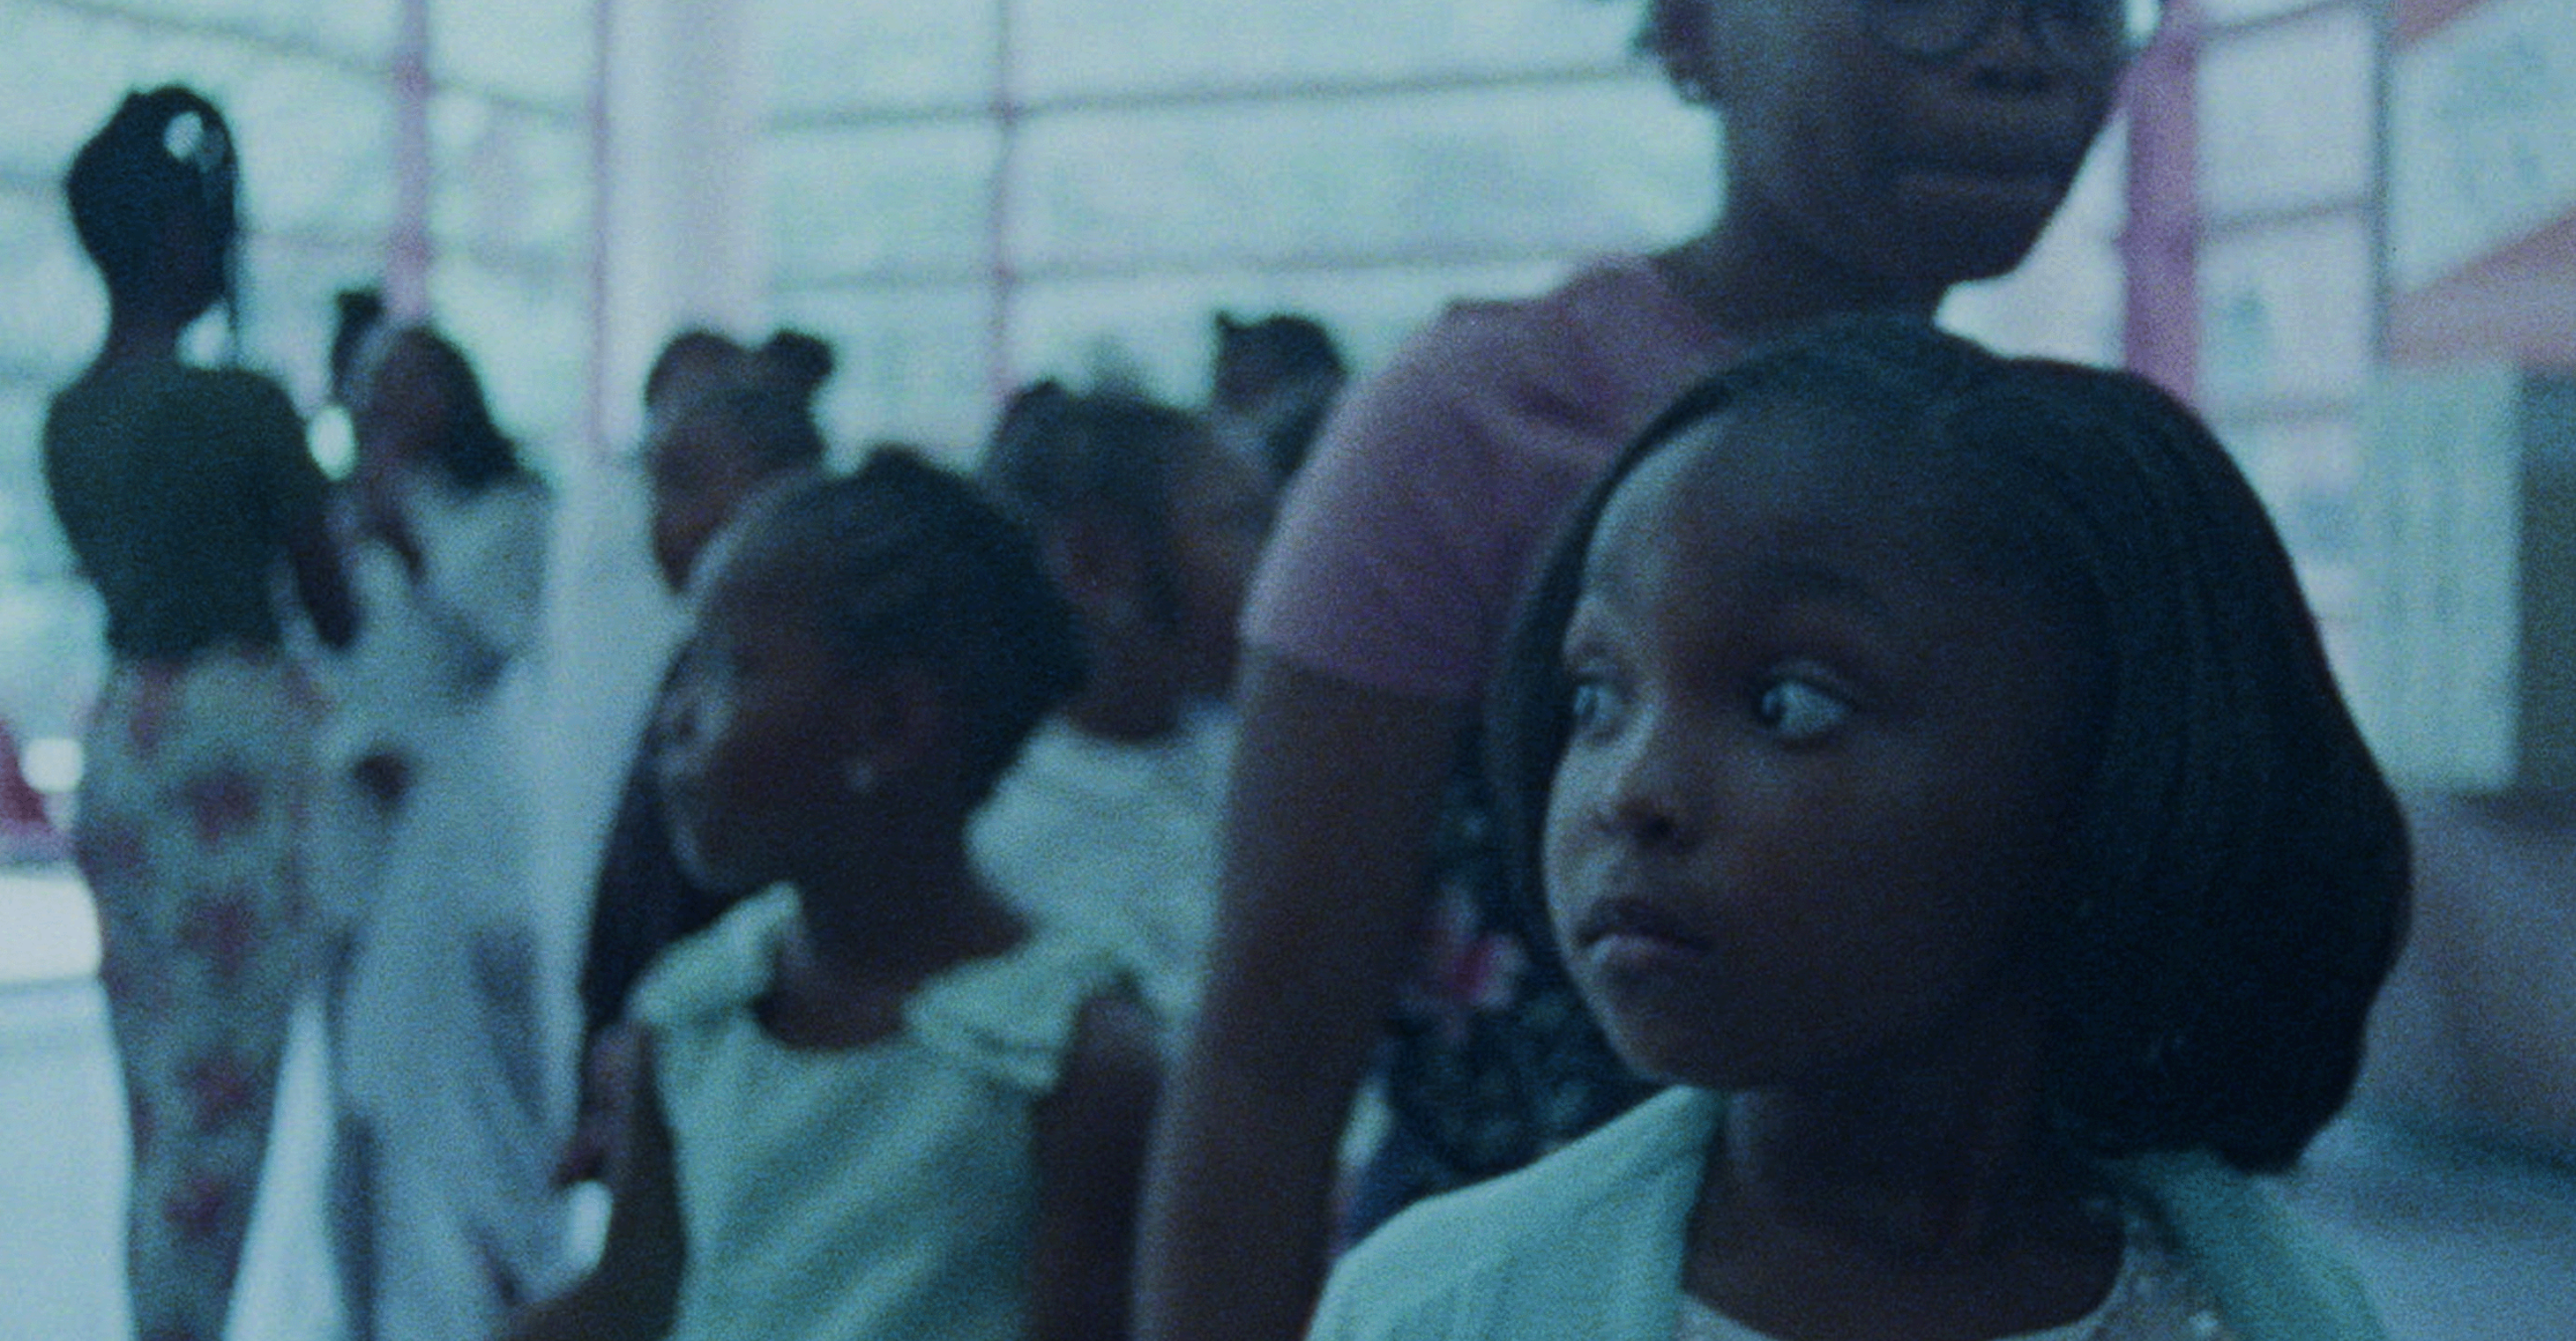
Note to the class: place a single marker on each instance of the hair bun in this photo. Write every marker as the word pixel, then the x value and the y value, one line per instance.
pixel 798 361
pixel 163 149
pixel 180 124
pixel 189 139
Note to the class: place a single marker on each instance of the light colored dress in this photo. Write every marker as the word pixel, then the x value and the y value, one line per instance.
pixel 2154 1298
pixel 882 1191
pixel 1588 1242
pixel 1118 842
pixel 451 1117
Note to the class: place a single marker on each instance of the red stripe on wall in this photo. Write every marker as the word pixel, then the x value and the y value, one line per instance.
pixel 2519 301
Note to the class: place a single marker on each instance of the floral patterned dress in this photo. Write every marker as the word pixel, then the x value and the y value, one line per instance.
pixel 190 817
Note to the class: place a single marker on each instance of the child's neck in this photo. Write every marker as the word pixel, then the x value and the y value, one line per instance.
pixel 1908 1180
pixel 870 933
pixel 1903 1208
pixel 141 335
pixel 1128 699
pixel 1753 282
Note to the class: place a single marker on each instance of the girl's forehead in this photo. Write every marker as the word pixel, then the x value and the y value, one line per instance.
pixel 1785 462
pixel 1775 490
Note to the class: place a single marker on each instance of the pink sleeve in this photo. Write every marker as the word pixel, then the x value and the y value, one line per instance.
pixel 1405 542
pixel 1392 564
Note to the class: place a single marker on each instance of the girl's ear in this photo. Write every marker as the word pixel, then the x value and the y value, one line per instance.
pixel 1682 37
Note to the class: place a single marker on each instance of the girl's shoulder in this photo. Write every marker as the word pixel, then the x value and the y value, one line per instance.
pixel 1014 1013
pixel 160 396
pixel 1587 1240
pixel 720 971
pixel 2269 1276
pixel 1611 301
pixel 1604 350
pixel 1015 1016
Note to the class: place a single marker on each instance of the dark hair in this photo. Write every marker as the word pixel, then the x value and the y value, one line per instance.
pixel 694 345
pixel 1291 344
pixel 774 421
pixel 1057 455
pixel 907 562
pixel 355 314
pixel 162 152
pixel 2247 875
pixel 795 361
pixel 1282 373
pixel 792 362
pixel 470 449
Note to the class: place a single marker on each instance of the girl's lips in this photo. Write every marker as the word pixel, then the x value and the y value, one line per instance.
pixel 1984 189
pixel 2026 177
pixel 1629 925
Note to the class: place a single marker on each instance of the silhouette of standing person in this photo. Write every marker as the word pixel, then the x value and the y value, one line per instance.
pixel 183 491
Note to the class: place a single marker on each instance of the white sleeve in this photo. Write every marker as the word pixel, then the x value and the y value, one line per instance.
pixel 483 565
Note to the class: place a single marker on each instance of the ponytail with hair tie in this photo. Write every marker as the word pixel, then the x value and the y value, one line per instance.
pixel 164 150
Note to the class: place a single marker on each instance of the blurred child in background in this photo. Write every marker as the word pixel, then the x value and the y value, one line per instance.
pixel 873 1100
pixel 1150 528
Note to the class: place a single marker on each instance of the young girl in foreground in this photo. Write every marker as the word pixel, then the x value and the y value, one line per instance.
pixel 873 1103
pixel 1933 772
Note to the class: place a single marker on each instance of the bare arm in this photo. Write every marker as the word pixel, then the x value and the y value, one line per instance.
pixel 1091 1157
pixel 1328 835
pixel 633 1294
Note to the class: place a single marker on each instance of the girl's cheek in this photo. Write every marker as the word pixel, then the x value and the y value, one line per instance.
pixel 699 726
pixel 1560 837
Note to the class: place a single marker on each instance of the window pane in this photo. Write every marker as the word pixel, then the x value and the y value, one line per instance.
pixel 912 199
pixel 536 50
pixel 1495 175
pixel 829 55
pixel 911 363
pixel 56 311
pixel 2482 139
pixel 2285 116
pixel 68 69
pixel 2305 470
pixel 2285 314
pixel 509 181
pixel 313 149
pixel 346 27
pixel 1084 47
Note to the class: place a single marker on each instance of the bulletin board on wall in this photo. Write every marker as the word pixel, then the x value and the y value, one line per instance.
pixel 2481 233
pixel 2467 481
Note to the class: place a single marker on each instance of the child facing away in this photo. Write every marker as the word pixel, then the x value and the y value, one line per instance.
pixel 872 1101
pixel 1933 773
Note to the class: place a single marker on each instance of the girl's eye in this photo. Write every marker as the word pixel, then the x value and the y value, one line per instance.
pixel 1798 710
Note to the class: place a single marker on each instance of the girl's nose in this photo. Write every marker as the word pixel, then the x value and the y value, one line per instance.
pixel 1653 796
